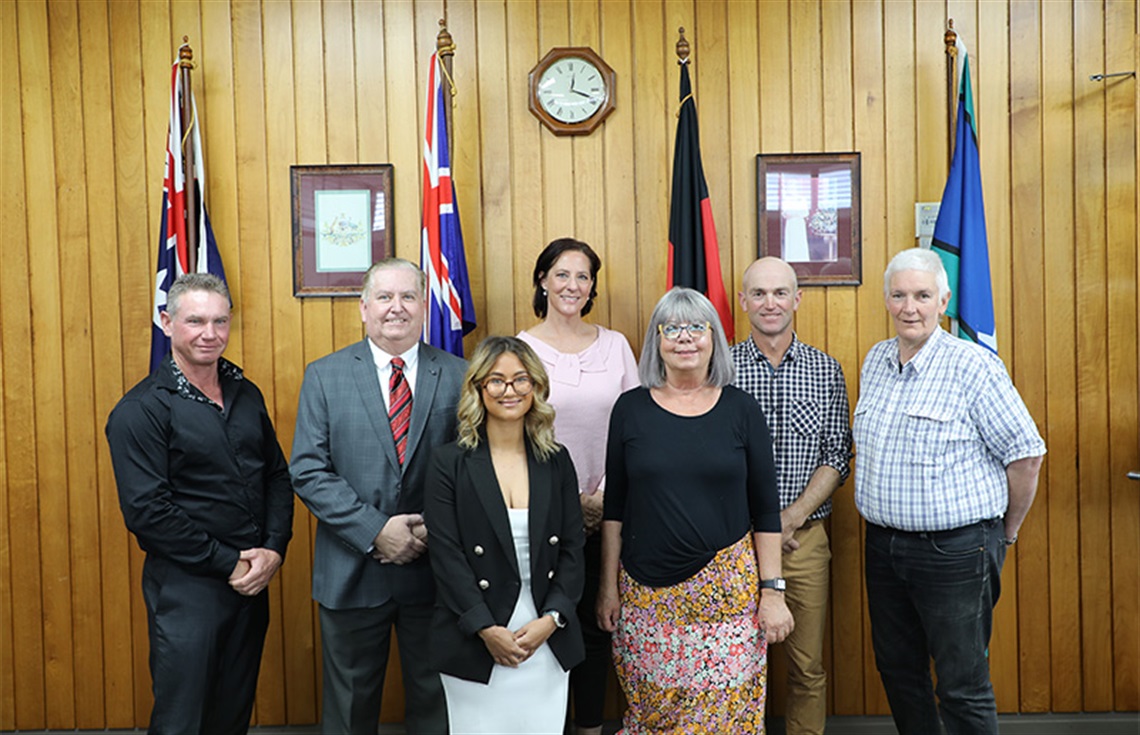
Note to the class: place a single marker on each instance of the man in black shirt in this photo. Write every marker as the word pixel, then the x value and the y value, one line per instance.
pixel 205 488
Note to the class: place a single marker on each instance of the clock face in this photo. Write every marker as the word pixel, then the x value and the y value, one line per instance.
pixel 571 90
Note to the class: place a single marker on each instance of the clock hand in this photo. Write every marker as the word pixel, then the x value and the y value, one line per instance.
pixel 581 94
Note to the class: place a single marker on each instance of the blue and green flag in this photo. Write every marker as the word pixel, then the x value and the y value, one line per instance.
pixel 960 232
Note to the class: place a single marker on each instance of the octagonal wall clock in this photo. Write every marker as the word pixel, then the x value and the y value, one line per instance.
pixel 572 90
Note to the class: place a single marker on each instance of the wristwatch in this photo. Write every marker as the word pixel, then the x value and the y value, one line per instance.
pixel 558 619
pixel 1010 541
pixel 776 583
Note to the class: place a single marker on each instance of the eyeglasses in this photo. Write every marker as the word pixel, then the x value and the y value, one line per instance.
pixel 497 387
pixel 672 332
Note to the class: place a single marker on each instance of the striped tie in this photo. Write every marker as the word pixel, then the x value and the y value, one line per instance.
pixel 400 407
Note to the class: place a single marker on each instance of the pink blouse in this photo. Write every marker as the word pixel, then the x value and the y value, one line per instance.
pixel 583 389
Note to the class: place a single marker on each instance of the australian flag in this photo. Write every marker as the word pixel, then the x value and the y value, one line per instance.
pixel 960 231
pixel 451 313
pixel 173 246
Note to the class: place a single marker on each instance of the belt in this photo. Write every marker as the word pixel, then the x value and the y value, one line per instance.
pixel 987 523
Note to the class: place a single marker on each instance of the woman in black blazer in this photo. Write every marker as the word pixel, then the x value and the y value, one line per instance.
pixel 505 533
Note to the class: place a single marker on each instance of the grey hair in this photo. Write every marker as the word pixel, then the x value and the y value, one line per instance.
pixel 684 305
pixel 917 259
pixel 393 262
pixel 194 282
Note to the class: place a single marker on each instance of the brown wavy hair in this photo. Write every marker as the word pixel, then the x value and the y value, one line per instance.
pixel 539 421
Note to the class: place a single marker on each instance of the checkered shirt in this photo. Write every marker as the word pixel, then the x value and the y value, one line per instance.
pixel 804 400
pixel 936 434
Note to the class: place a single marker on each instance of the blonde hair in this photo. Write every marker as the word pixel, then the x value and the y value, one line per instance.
pixel 539 421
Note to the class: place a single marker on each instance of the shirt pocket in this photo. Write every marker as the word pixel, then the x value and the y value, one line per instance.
pixel 868 412
pixel 804 418
pixel 931 433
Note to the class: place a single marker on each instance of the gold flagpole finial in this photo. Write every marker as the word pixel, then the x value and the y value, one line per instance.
pixel 185 54
pixel 950 38
pixel 682 47
pixel 444 44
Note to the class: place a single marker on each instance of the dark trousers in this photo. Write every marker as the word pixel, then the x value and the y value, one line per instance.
pixel 205 651
pixel 588 679
pixel 931 595
pixel 355 647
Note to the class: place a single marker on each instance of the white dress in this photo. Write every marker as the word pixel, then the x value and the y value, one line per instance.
pixel 528 700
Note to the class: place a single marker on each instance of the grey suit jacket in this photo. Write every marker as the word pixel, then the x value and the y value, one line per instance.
pixel 344 468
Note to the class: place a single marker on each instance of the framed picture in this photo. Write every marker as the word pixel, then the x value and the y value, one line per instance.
pixel 809 215
pixel 342 224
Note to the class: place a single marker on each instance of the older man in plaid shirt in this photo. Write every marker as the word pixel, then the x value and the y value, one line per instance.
pixel 947 471
pixel 804 398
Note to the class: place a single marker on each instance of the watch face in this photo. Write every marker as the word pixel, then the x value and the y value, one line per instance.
pixel 571 90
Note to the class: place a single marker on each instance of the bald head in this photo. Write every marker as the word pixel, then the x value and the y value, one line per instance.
pixel 770 294
pixel 770 268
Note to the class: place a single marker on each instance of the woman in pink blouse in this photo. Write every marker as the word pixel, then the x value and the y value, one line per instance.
pixel 589 367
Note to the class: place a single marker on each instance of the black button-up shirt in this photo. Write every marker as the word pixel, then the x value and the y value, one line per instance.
pixel 199 482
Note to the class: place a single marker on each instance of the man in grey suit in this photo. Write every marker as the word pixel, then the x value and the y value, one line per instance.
pixel 360 455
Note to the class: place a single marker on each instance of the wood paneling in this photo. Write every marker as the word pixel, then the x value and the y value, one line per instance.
pixel 84 118
pixel 1027 206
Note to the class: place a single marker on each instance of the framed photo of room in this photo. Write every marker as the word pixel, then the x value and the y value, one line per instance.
pixel 342 224
pixel 808 206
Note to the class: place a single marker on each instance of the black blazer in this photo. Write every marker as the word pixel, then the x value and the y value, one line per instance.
pixel 473 555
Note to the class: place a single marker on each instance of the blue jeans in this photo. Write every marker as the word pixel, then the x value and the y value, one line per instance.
pixel 931 595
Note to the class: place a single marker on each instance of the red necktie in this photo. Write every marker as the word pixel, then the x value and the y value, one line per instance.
pixel 400 407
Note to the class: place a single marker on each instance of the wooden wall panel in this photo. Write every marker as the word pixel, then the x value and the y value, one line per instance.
pixel 1060 421
pixel 22 690
pixel 869 135
pixel 1120 26
pixel 527 192
pixel 846 670
pixel 991 93
pixel 342 81
pixel 1092 355
pixel 1026 207
pixel 618 300
pixel 113 542
pixel 80 429
pixel 47 350
pixel 297 618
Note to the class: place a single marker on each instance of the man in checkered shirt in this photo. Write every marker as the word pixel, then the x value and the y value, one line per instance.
pixel 947 471
pixel 804 398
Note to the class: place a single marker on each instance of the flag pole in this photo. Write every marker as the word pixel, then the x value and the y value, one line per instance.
pixel 445 47
pixel 950 38
pixel 186 146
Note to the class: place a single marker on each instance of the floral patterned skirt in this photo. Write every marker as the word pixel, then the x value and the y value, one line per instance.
pixel 691 657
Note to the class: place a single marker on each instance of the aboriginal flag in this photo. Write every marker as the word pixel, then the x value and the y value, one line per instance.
pixel 694 260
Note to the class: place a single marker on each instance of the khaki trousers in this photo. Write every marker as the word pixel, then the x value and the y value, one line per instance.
pixel 807 570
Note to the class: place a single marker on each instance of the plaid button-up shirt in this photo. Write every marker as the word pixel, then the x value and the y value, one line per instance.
pixel 936 434
pixel 804 400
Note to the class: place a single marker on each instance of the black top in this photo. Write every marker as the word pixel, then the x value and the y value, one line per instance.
pixel 685 487
pixel 475 563
pixel 199 483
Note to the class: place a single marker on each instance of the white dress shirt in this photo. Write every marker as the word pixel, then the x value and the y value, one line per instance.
pixel 383 363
